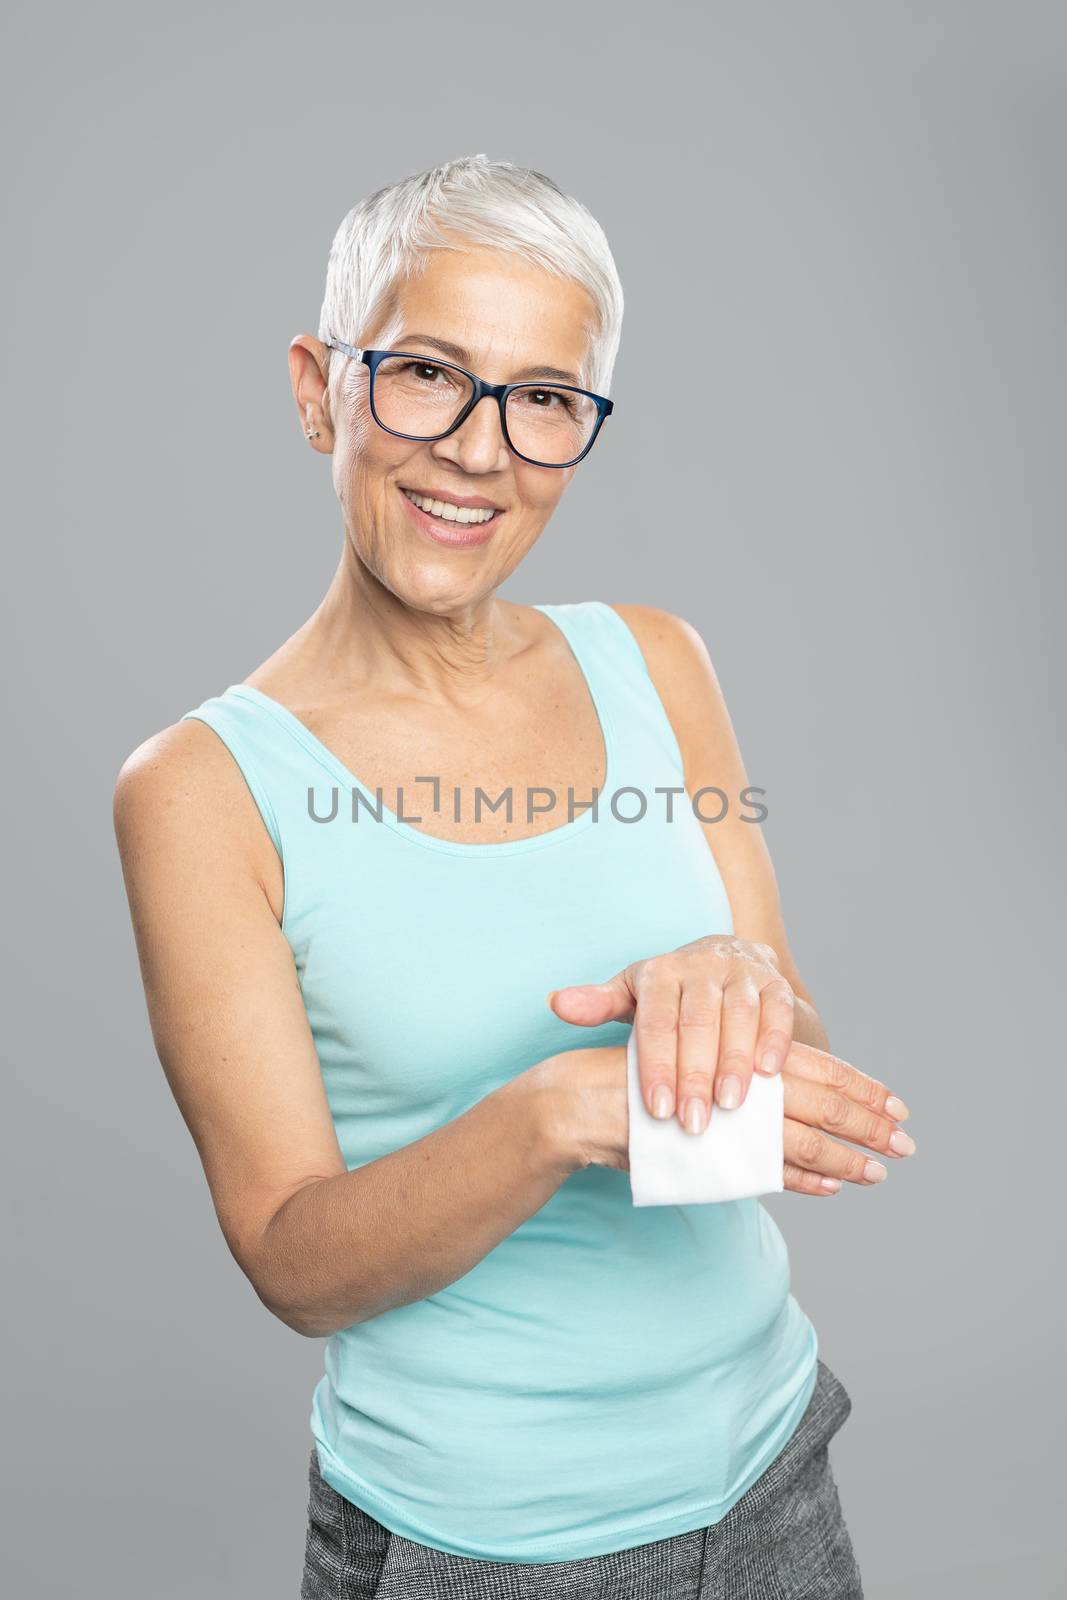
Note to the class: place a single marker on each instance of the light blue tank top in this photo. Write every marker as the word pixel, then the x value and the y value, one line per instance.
pixel 608 1375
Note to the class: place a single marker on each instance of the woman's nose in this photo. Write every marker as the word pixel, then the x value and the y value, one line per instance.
pixel 478 443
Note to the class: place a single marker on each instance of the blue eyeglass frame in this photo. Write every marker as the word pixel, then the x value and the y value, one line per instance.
pixel 494 391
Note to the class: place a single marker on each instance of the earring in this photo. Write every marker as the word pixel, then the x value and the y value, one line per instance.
pixel 312 434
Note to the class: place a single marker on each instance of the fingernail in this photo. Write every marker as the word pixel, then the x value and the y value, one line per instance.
pixel 896 1109
pixel 729 1093
pixel 833 1184
pixel 696 1116
pixel 901 1143
pixel 874 1171
pixel 662 1101
pixel 769 1064
pixel 548 997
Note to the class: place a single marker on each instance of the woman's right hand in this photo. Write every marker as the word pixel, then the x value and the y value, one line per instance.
pixel 825 1100
pixel 824 1097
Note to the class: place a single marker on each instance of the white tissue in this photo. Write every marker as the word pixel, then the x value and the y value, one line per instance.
pixel 739 1154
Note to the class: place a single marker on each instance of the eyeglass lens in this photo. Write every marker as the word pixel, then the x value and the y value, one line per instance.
pixel 548 425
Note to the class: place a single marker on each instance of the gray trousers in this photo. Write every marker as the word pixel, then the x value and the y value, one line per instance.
pixel 785 1539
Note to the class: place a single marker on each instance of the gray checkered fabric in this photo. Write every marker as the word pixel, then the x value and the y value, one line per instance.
pixel 785 1539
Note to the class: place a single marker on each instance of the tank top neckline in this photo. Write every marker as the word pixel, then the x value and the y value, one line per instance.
pixel 540 841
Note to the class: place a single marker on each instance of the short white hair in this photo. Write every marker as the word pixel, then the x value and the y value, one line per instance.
pixel 386 237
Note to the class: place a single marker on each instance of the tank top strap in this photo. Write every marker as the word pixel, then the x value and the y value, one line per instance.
pixel 637 729
pixel 262 750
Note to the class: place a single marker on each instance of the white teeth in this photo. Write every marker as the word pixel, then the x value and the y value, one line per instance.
pixel 447 511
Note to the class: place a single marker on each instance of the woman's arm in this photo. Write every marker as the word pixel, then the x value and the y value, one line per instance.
pixel 686 681
pixel 323 1247
pixel 722 1006
pixel 714 1008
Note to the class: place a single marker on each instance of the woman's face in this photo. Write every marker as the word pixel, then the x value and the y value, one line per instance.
pixel 506 320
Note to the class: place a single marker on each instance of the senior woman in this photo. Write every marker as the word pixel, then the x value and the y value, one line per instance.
pixel 393 1008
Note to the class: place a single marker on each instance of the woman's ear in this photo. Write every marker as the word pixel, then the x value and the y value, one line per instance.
pixel 307 374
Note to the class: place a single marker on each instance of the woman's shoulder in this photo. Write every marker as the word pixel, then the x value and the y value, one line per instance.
pixel 188 823
pixel 673 648
pixel 681 669
pixel 180 783
pixel 658 633
pixel 663 633
pixel 177 764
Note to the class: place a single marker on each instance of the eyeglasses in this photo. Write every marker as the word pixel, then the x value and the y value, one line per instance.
pixel 416 397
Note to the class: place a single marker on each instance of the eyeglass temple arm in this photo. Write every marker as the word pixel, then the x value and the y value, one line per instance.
pixel 346 349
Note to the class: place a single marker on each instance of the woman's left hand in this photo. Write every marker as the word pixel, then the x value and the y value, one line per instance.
pixel 710 1014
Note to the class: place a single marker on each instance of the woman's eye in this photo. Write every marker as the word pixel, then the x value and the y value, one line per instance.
pixel 550 400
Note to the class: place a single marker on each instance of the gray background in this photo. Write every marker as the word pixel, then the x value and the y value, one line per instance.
pixel 841 231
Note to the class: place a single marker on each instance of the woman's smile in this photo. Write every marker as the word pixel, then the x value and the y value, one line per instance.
pixel 456 525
